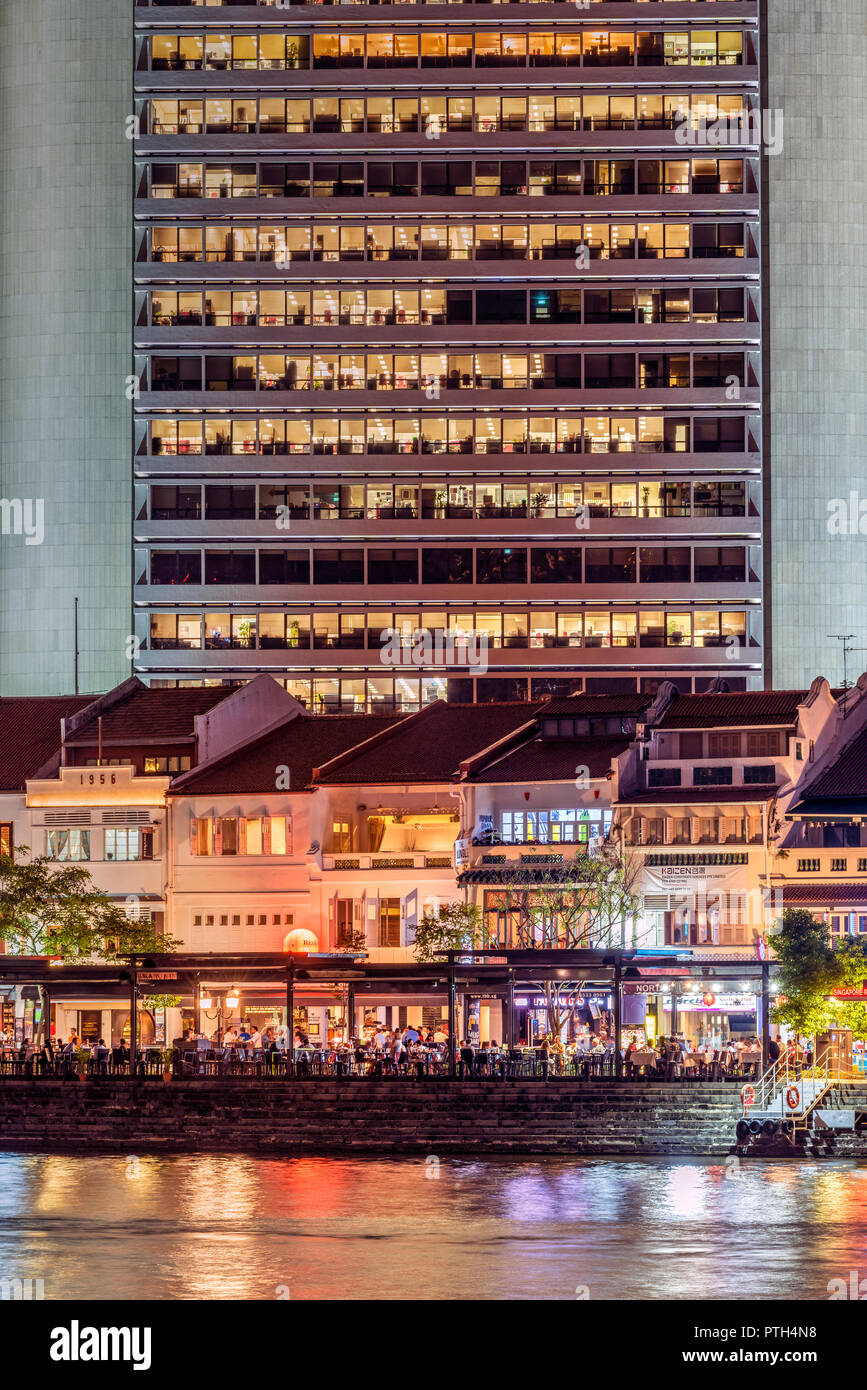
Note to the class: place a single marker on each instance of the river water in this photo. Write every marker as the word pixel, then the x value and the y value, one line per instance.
pixel 202 1226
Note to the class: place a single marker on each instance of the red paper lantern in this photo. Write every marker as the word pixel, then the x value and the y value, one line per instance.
pixel 708 999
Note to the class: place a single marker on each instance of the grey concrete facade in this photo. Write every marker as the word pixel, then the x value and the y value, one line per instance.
pixel 65 167
pixel 817 268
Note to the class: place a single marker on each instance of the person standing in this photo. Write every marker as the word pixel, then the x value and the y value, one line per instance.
pixel 544 1057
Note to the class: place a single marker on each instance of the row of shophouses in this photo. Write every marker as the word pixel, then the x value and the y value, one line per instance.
pixel 239 822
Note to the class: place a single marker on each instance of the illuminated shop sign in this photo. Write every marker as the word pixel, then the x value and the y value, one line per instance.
pixel 722 1003
pixel 540 1002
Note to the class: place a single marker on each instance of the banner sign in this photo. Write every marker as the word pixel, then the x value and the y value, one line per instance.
pixel 697 877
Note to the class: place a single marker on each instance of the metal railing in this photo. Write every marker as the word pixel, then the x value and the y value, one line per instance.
pixel 792 1090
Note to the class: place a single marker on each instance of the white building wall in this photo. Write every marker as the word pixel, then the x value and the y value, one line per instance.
pixel 226 887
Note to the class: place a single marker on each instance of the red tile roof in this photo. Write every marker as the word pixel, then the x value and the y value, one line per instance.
pixel 429 746
pixel 30 734
pixel 152 716
pixel 732 709
pixel 823 894
pixel 590 705
pixel 299 743
pixel 847 777
pixel 551 760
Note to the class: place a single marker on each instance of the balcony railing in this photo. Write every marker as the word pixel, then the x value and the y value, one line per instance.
pixel 356 860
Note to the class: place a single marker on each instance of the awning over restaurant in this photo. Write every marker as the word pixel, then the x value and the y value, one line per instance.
pixel 823 809
pixel 520 875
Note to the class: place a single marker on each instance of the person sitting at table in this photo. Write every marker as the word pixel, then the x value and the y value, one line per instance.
pixel 558 1052
pixel 466 1065
pixel 100 1056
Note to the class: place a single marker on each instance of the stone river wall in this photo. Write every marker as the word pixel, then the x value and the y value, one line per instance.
pixel 368 1115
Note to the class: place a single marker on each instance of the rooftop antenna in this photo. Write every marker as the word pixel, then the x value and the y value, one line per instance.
pixel 845 638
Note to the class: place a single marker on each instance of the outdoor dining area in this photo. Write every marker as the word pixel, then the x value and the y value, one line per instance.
pixel 672 1063
pixel 199 1060
pixel 633 1015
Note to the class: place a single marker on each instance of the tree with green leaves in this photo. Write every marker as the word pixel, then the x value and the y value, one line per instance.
pixel 852 957
pixel 456 927
pixel 353 942
pixel 50 909
pixel 809 971
pixel 589 906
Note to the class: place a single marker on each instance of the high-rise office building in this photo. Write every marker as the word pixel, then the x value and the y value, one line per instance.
pixel 448 317
pixel 444 318
pixel 65 344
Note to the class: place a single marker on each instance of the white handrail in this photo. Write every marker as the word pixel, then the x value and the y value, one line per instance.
pixel 782 1074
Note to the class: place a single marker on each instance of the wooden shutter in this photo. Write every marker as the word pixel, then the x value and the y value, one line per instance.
pixel 242 835
pixel 194 835
pixel 218 835
pixel 266 834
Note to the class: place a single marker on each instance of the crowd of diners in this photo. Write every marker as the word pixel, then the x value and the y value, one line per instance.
pixel 417 1051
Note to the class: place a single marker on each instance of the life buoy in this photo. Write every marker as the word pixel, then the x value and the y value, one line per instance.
pixel 793 1097
pixel 748 1096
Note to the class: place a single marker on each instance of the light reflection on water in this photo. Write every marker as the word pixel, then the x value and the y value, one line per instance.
pixel 205 1226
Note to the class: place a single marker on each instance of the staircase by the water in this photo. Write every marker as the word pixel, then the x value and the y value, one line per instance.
pixel 791 1113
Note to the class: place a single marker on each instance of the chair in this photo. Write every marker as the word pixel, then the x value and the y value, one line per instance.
pixel 190 1064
